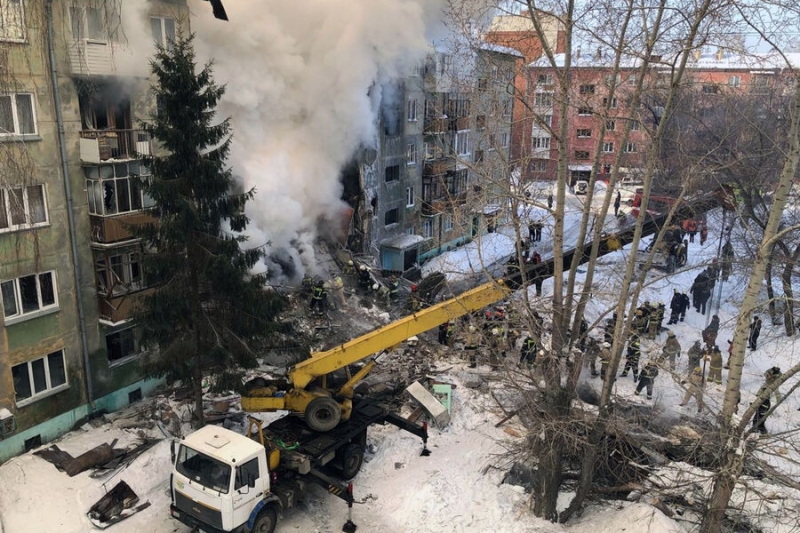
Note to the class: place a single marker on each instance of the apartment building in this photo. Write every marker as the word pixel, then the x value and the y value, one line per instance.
pixel 75 86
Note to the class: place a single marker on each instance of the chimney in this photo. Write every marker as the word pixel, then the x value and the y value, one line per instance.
pixel 720 54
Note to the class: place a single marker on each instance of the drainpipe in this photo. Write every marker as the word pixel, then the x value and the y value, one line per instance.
pixel 62 147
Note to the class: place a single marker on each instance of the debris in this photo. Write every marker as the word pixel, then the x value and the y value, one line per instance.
pixel 505 419
pixel 432 406
pixel 115 506
pixel 444 393
pixel 64 462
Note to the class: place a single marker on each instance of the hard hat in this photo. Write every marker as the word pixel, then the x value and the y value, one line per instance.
pixel 472 328
pixel 375 287
pixel 639 312
pixel 698 370
pixel 350 262
pixel 362 267
pixel 606 345
pixel 412 341
pixel 670 333
pixel 413 288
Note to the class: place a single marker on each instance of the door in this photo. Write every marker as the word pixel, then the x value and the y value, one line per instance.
pixel 250 483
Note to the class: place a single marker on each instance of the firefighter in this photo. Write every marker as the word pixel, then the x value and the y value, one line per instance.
pixel 671 351
pixel 647 378
pixel 415 299
pixel 497 346
pixel 528 351
pixel 694 355
pixel 632 357
pixel 337 288
pixel 714 359
pixel 755 331
pixel 675 307
pixel 763 408
pixel 639 323
pixel 605 359
pixel 728 256
pixel 655 318
pixel 695 388
pixel 394 288
pixel 307 283
pixel 711 331
pixel 445 333
pixel 318 298
pixel 592 353
pixel 471 346
pixel 364 279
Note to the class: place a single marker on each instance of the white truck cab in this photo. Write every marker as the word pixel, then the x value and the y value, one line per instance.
pixel 221 483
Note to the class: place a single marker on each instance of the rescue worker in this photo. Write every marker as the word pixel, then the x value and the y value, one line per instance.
pixel 528 351
pixel 760 417
pixel 695 388
pixel 671 351
pixel 648 377
pixel 444 333
pixel 685 307
pixel 730 355
pixel 535 258
pixel 675 306
pixel 318 298
pixel 694 355
pixel 415 301
pixel 639 323
pixel 617 203
pixel 592 353
pixel 714 359
pixel 632 357
pixel 364 279
pixel 755 331
pixel 703 233
pixel 728 256
pixel 394 288
pixel 654 323
pixel 690 227
pixel 711 331
pixel 307 283
pixel 350 267
pixel 337 288
pixel 497 346
pixel 471 346
pixel 605 359
pixel 701 291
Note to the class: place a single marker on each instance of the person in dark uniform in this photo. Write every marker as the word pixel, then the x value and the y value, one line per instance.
pixel 760 417
pixel 528 351
pixel 632 357
pixel 318 298
pixel 755 331
pixel 648 377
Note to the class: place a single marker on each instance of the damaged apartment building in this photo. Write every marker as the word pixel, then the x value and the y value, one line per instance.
pixel 439 174
pixel 75 86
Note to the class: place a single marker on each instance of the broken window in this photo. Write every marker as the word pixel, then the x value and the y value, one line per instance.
pixel 29 294
pixel 391 217
pixel 34 378
pixel 122 344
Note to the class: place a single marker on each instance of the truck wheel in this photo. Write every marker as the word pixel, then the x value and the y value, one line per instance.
pixel 266 520
pixel 352 459
pixel 323 414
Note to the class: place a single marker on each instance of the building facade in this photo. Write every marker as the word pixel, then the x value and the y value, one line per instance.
pixel 76 86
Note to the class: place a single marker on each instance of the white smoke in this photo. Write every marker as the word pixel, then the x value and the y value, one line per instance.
pixel 298 77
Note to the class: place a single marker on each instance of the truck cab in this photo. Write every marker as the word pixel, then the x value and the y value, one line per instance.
pixel 221 482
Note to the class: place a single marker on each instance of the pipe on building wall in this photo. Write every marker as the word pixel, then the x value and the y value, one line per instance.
pixel 62 148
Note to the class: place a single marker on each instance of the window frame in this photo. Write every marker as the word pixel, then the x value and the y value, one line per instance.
pixel 461 143
pixel 608 147
pixel 611 125
pixel 3 24
pixel 411 111
pixel 448 222
pixel 734 81
pixel 613 102
pixel 104 267
pixel 631 148
pixel 427 228
pixel 49 388
pixel 137 349
pixel 579 155
pixel 586 88
pixel 543 99
pixel 585 111
pixel 15 117
pixel 20 315
pixel 164 39
pixel 541 143
pixel 5 199
pixel 83 11
pixel 583 133
pixel 411 154
pixel 386 174
pixel 410 198
pixel 396 212
pixel 504 139
pixel 544 79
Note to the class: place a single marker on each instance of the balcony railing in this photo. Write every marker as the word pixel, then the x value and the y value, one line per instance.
pixel 436 125
pixel 438 167
pixel 115 309
pixel 108 230
pixel 98 146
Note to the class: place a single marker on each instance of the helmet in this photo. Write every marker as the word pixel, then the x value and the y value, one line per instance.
pixel 362 267
pixel 606 345
pixel 639 312
pixel 698 370
pixel 414 288
pixel 375 287
pixel 472 328
pixel 350 262
pixel 319 283
pixel 670 333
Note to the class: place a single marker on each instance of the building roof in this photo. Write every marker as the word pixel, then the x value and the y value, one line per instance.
pixel 489 47
pixel 402 241
pixel 706 61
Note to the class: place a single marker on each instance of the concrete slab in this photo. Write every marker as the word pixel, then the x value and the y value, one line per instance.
pixel 432 406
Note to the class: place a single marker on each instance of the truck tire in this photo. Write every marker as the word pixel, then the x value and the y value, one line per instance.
pixel 266 520
pixel 352 459
pixel 323 414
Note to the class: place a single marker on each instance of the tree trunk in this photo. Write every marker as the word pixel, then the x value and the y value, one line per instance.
pixel 548 480
pixel 788 297
pixel 724 483
pixel 770 292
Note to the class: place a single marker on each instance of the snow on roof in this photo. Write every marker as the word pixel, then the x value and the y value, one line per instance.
pixel 222 444
pixel 402 241
pixel 726 60
pixel 491 47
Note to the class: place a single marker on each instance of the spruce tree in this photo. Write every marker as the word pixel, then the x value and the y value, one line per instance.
pixel 205 309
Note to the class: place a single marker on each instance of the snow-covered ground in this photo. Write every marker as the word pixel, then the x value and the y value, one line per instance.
pixel 458 488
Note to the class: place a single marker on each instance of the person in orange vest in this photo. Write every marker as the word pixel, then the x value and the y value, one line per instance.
pixel 690 227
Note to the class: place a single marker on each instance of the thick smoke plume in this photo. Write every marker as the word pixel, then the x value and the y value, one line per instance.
pixel 303 84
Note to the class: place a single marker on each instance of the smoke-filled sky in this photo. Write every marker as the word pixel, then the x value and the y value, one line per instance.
pixel 298 75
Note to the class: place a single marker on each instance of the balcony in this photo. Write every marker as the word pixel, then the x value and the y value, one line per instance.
pixel 444 204
pixel 99 146
pixel 435 125
pixel 459 124
pixel 438 167
pixel 106 230
pixel 116 309
pixel 103 57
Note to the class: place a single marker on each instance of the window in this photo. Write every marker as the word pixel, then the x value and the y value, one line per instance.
pixel 613 102
pixel 581 154
pixel 630 148
pixel 479 156
pixel 446 63
pixel 120 273
pixel 483 84
pixel 584 111
pixel 88 23
pixel 492 141
pixel 122 345
pixel 430 108
pixel 246 473
pixel 543 99
pixel 507 106
pixel 16 114
pixel 584 133
pixel 116 189
pixel 462 143
pixel 504 139
pixel 457 182
pixel 608 148
pixel 760 82
pixel 538 166
pixel 734 81
pixel 586 89
pixel 710 88
pixel 611 125
pixel 427 228
pixel 392 173
pixel 411 111
pixel 29 295
pixel 447 222
pixel 391 217
pixel 35 378
pixel 432 151
pixel 22 207
pixel 547 120
pixel 636 125
pixel 541 143
pixel 409 196
pixel 610 78
pixel 544 79
pixel 411 154
pixel 163 31
pixel 12 20
pixel 480 122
